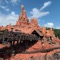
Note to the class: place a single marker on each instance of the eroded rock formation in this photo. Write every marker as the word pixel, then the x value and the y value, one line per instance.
pixel 49 41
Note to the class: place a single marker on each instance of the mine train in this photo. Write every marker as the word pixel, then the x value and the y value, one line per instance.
pixel 8 36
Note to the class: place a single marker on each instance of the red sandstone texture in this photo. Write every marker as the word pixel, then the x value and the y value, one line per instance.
pixel 25 26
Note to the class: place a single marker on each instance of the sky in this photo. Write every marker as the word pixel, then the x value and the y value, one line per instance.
pixel 47 12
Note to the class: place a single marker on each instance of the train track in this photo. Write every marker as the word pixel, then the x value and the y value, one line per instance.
pixel 11 51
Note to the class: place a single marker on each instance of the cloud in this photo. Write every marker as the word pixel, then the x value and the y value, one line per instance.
pixel 15 1
pixel 10 18
pixel 7 9
pixel 50 24
pixel 4 7
pixel 36 13
pixel 58 27
pixel 46 4
pixel 6 1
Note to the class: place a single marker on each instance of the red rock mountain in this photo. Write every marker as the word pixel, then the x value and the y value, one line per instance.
pixel 49 40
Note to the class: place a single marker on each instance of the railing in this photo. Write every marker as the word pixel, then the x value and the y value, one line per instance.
pixel 16 36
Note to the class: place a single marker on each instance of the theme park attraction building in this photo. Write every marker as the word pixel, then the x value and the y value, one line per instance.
pixel 28 41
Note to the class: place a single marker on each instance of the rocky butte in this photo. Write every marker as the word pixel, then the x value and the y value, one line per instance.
pixel 45 48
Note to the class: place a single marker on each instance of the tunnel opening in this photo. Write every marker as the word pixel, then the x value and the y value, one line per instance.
pixel 38 34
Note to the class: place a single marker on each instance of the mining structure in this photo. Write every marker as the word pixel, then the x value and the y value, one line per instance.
pixel 26 40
